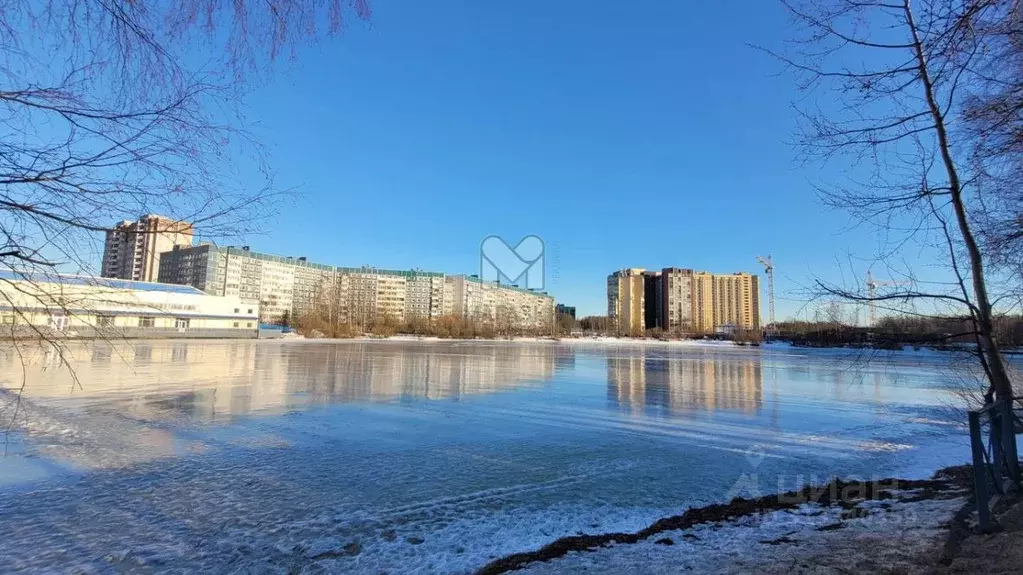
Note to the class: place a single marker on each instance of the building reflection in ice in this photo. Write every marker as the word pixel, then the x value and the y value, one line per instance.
pixel 212 380
pixel 700 381
pixel 101 405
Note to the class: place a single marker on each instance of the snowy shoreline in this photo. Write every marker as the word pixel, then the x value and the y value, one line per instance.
pixel 889 522
pixel 629 341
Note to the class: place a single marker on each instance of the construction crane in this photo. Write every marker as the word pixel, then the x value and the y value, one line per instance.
pixel 769 270
pixel 872 285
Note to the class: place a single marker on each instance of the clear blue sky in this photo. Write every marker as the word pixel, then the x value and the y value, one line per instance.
pixel 626 134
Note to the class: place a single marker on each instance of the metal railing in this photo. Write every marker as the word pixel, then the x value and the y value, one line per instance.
pixel 996 469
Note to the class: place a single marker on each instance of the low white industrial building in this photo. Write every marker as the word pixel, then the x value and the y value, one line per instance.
pixel 57 305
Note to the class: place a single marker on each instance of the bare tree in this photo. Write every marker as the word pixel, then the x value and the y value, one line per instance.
pixel 993 117
pixel 116 109
pixel 887 84
pixel 566 324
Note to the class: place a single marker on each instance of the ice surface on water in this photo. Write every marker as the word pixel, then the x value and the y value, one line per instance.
pixel 427 457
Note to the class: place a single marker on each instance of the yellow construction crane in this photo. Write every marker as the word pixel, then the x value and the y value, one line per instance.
pixel 769 270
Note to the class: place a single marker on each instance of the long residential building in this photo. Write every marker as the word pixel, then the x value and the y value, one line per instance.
pixel 132 249
pixel 287 288
pixel 499 304
pixel 682 301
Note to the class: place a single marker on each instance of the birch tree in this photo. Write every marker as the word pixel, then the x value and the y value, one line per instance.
pixel 888 86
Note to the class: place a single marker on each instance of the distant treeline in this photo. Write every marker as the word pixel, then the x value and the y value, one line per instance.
pixel 895 332
pixel 599 325
pixel 594 324
pixel 318 325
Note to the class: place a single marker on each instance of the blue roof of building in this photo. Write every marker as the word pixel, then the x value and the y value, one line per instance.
pixel 43 277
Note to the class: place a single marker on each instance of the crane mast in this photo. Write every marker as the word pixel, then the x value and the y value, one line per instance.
pixel 769 270
pixel 872 284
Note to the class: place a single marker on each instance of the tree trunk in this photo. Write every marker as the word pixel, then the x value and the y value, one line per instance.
pixel 1000 384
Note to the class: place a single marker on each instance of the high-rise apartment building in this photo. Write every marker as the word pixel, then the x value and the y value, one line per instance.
pixel 703 302
pixel 736 300
pixel 132 249
pixel 676 300
pixel 283 287
pixel 626 301
pixel 682 301
pixel 653 311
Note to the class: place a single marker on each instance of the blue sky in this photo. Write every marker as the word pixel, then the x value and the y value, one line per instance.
pixel 625 134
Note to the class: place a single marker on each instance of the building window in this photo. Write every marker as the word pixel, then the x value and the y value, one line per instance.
pixel 248 324
pixel 181 322
pixel 250 310
pixel 147 321
pixel 104 320
pixel 235 324
pixel 236 310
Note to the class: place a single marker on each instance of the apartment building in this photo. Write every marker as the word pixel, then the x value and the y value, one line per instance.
pixel 503 305
pixel 424 295
pixel 132 249
pixel 653 310
pixel 283 287
pixel 366 293
pixel 682 301
pixel 310 288
pixel 626 301
pixel 526 309
pixel 356 295
pixel 287 288
pixel 568 310
pixel 391 296
pixel 736 300
pixel 703 302
pixel 676 300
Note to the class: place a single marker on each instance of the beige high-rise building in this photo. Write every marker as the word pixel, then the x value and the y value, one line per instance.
pixel 703 302
pixel 736 300
pixel 682 301
pixel 626 302
pixel 132 249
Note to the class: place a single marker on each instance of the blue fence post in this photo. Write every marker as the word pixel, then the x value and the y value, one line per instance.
pixel 1008 439
pixel 994 443
pixel 979 471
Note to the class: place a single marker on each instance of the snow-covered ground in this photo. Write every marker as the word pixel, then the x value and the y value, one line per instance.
pixel 895 536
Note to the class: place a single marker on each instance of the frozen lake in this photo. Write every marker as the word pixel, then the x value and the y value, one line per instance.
pixel 427 457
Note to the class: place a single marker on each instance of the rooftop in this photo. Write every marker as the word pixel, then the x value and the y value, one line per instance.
pixel 67 279
pixel 301 262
